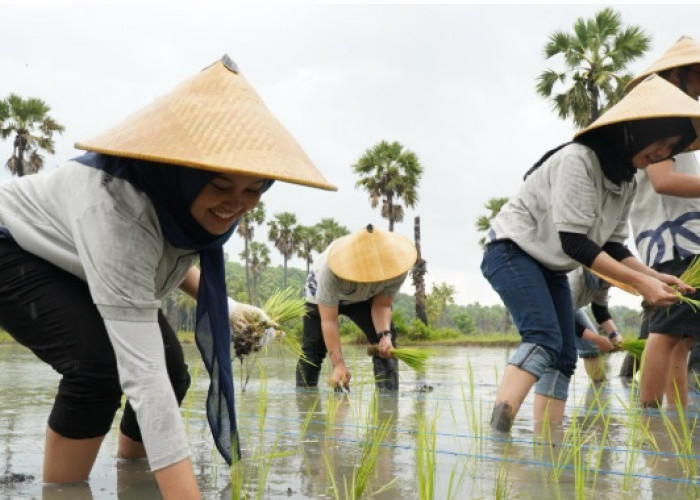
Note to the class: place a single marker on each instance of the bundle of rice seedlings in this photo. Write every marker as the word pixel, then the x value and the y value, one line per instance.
pixel 413 357
pixel 633 347
pixel 249 334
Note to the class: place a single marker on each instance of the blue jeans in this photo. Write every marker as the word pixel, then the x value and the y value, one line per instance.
pixel 539 300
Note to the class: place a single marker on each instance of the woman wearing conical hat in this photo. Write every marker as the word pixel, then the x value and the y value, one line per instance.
pixel 358 276
pixel 665 222
pixel 572 210
pixel 89 250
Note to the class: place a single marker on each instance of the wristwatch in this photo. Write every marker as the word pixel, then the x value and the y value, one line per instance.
pixel 383 333
pixel 612 334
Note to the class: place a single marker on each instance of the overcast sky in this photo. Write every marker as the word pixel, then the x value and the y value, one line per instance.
pixel 453 83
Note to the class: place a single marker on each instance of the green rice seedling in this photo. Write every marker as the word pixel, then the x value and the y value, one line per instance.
pixel 307 419
pixel 426 457
pixel 633 347
pixel 237 477
pixel 474 418
pixel 249 333
pixel 190 397
pixel 503 487
pixel 691 275
pixel 414 358
pixel 369 449
pixel 682 437
pixel 262 402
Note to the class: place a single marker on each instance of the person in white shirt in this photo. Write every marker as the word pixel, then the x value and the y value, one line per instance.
pixel 665 220
pixel 89 250
pixel 358 276
pixel 572 210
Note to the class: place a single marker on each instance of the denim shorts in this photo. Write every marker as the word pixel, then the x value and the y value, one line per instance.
pixel 585 348
pixel 538 299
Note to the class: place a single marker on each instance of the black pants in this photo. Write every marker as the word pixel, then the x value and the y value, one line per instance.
pixel 51 312
pixel 314 347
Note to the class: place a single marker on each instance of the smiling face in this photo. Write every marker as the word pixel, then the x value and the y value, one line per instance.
pixel 225 199
pixel 655 152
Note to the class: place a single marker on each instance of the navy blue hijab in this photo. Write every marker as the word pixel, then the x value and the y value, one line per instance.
pixel 172 189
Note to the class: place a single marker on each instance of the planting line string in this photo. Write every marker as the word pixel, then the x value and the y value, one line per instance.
pixel 525 442
pixel 690 413
pixel 616 449
pixel 492 458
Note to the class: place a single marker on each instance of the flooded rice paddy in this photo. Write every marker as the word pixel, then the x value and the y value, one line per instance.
pixel 414 444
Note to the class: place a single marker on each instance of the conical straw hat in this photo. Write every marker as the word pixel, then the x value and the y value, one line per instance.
pixel 371 255
pixel 684 52
pixel 653 98
pixel 213 121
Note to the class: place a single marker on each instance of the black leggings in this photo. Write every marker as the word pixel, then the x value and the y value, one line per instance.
pixel 51 312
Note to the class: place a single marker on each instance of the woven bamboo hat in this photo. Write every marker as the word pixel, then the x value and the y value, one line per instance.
pixel 213 121
pixel 371 255
pixel 654 97
pixel 684 52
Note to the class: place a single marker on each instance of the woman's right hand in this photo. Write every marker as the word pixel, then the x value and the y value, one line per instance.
pixel 341 376
pixel 656 292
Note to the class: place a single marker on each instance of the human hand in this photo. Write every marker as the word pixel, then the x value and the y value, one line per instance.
pixel 385 346
pixel 657 292
pixel 672 280
pixel 603 344
pixel 341 376
pixel 249 313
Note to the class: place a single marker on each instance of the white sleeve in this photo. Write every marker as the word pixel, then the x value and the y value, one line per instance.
pixel 144 379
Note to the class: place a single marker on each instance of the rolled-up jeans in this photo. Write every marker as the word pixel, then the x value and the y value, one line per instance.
pixel 539 301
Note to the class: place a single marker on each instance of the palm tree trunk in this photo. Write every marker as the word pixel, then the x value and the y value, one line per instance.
pixel 284 274
pixel 418 275
pixel 247 270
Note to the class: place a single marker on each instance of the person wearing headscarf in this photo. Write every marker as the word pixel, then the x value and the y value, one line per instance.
pixel 665 222
pixel 89 250
pixel 358 276
pixel 589 289
pixel 572 210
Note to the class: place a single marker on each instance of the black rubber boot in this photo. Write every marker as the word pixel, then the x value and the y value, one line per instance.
pixel 307 374
pixel 386 373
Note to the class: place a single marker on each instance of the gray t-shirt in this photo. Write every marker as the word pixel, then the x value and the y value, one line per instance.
pixel 582 294
pixel 568 193
pixel 324 287
pixel 106 232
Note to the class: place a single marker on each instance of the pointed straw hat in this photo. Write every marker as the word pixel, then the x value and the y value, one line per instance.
pixel 213 121
pixel 654 97
pixel 684 52
pixel 371 255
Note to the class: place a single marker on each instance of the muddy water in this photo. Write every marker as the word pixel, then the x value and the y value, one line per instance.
pixel 308 443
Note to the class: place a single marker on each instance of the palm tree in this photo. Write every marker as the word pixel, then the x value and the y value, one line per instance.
pixel 259 261
pixel 189 306
pixel 596 55
pixel 418 272
pixel 33 130
pixel 246 228
pixel 389 173
pixel 483 222
pixel 284 234
pixel 309 241
pixel 330 230
pixel 440 296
